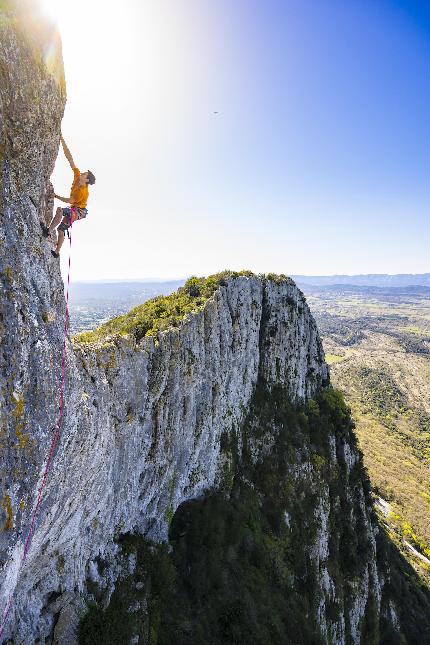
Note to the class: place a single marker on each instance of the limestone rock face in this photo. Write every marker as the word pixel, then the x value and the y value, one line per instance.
pixel 143 425
pixel 32 98
pixel 143 420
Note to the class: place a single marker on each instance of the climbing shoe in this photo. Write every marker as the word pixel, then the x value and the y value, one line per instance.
pixel 45 230
pixel 56 255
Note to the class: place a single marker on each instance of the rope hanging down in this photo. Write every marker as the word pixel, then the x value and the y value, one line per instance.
pixel 53 442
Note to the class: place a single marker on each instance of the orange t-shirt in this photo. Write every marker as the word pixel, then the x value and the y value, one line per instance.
pixel 78 194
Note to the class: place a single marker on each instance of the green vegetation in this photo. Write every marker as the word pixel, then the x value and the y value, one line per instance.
pixel 5 6
pixel 239 569
pixel 400 477
pixel 410 536
pixel 164 312
pixel 386 379
pixel 7 506
pixel 60 563
pixel 414 329
pixel 334 358
pixel 158 314
pixel 407 588
pixel 381 394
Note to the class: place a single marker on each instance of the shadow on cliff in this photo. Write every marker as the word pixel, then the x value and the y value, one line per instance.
pixel 242 566
pixel 225 581
pixel 407 589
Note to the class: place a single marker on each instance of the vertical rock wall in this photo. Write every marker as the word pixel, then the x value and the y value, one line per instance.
pixel 32 98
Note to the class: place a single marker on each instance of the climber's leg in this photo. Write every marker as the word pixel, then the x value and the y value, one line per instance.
pixel 59 241
pixel 56 220
pixel 47 230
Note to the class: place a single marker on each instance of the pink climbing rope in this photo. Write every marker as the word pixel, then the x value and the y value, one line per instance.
pixel 53 442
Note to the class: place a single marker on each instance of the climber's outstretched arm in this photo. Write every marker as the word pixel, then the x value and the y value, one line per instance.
pixel 66 200
pixel 67 154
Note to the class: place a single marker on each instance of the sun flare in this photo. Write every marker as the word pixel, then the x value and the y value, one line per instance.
pixel 66 14
pixel 52 8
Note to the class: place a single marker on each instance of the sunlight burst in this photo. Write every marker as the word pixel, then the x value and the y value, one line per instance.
pixel 52 8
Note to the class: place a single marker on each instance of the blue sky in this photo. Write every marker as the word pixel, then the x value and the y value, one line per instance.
pixel 318 159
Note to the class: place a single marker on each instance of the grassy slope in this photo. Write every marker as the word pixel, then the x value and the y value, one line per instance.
pixel 385 375
pixel 164 312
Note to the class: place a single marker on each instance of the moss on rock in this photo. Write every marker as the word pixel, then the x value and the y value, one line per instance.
pixel 7 506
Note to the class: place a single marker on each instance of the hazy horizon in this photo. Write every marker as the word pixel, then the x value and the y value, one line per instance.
pixel 301 275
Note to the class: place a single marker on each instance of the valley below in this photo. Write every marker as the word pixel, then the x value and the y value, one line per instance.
pixel 377 342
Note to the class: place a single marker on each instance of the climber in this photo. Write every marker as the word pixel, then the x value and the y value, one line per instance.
pixel 77 200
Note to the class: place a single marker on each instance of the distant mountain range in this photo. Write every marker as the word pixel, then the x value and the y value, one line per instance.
pixel 366 280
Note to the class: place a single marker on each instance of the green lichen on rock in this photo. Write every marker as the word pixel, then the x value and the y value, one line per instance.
pixel 8 273
pixel 7 506
pixel 5 11
pixel 22 438
pixel 18 416
pixel 18 411
pixel 60 563
pixel 169 514
pixel 33 31
pixel 164 312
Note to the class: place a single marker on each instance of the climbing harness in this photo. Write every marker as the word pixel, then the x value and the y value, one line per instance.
pixel 54 438
pixel 71 215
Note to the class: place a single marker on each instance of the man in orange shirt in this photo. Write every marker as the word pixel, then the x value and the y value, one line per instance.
pixel 77 200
